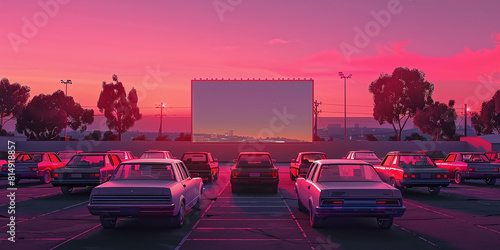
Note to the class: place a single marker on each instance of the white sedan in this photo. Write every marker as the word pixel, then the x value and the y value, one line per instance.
pixel 347 188
pixel 147 187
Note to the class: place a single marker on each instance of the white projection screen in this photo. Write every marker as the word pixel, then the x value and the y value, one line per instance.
pixel 264 111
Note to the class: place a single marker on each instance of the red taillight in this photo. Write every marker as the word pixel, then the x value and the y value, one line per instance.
pixel 56 175
pixel 32 169
pixel 94 175
pixel 497 169
pixel 4 169
pixel 413 176
pixel 274 174
pixel 472 169
pixel 409 176
pixel 234 174
pixel 330 202
pixel 388 202
pixel 445 176
pixel 405 176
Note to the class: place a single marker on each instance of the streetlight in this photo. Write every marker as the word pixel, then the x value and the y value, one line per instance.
pixel 341 74
pixel 465 119
pixel 66 83
pixel 161 107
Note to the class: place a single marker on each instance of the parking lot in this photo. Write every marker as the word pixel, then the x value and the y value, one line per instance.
pixel 460 217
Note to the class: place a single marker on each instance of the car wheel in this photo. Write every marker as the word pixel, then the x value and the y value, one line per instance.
pixel 47 176
pixel 434 190
pixel 66 189
pixel 385 223
pixel 178 220
pixel 314 219
pixel 490 181
pixel 108 222
pixel 302 208
pixel 458 178
pixel 234 189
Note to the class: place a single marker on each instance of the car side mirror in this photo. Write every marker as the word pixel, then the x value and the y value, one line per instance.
pixel 195 175
pixel 216 160
pixel 274 160
pixel 234 160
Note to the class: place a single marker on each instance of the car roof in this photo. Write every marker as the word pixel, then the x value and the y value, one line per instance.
pixel 153 161
pixel 305 153
pixel 362 150
pixel 29 153
pixel 196 153
pixel 95 153
pixel 405 153
pixel 255 153
pixel 467 153
pixel 155 151
pixel 111 151
pixel 343 162
pixel 69 151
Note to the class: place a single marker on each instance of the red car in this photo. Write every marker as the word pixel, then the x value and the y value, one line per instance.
pixel 300 165
pixel 35 165
pixel 254 170
pixel 470 165
pixel 203 164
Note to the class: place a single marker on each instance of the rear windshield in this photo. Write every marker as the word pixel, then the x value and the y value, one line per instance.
pixel 362 173
pixel 313 157
pixel 29 158
pixel 477 158
pixel 87 161
pixel 415 161
pixel 254 161
pixel 365 156
pixel 195 158
pixel 119 154
pixel 436 154
pixel 144 172
pixel 153 155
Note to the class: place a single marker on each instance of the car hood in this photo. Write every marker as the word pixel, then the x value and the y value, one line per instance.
pixel 376 189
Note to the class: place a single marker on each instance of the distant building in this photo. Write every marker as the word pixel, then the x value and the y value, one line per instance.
pixel 214 136
pixel 231 132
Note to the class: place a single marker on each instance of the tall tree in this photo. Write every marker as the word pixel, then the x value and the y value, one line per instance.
pixel 120 110
pixel 488 119
pixel 397 97
pixel 46 116
pixel 13 98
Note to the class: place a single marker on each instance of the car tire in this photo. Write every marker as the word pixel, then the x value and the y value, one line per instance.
pixel 385 223
pixel 66 189
pixel 178 220
pixel 434 190
pixel 108 222
pixel 490 181
pixel 234 189
pixel 47 176
pixel 393 183
pixel 314 219
pixel 302 208
pixel 458 178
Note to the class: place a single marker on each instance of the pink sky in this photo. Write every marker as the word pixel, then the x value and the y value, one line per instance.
pixel 456 43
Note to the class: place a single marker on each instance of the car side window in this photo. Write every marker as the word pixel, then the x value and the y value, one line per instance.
pixel 315 172
pixel 116 160
pixel 54 158
pixel 388 160
pixel 298 158
pixel 209 157
pixel 182 171
pixel 311 171
pixel 450 158
pixel 170 155
pixel 184 168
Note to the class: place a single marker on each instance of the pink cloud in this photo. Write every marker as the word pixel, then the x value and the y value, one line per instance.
pixel 276 41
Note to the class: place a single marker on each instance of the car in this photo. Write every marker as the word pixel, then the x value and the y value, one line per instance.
pixel 470 165
pixel 203 164
pixel 124 155
pixel 147 187
pixel 494 156
pixel 35 165
pixel 254 170
pixel 347 188
pixel 156 154
pixel 410 169
pixel 301 163
pixel 435 155
pixel 364 155
pixel 85 170
pixel 66 155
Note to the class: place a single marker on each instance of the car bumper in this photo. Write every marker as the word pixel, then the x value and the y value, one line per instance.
pixel 360 211
pixel 426 183
pixel 254 181
pixel 131 210
pixel 75 183
pixel 481 175
pixel 204 174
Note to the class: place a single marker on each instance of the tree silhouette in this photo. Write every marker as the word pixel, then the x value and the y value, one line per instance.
pixel 415 137
pixel 488 119
pixel 183 137
pixel 371 137
pixel 140 138
pixel 120 110
pixel 397 97
pixel 46 116
pixel 94 136
pixel 437 120
pixel 13 98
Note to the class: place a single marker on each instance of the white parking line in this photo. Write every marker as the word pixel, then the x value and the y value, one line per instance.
pixel 76 236
pixel 295 219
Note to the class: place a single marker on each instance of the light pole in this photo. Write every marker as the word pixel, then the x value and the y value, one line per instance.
pixel 345 105
pixel 465 119
pixel 316 112
pixel 161 106
pixel 66 83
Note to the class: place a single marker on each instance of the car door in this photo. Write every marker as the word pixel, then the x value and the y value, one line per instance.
pixel 385 168
pixel 307 183
pixel 190 188
pixel 448 163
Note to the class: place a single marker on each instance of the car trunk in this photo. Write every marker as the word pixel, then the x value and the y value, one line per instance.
pixel 366 189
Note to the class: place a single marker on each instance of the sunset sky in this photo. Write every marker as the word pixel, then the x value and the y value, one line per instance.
pixel 159 47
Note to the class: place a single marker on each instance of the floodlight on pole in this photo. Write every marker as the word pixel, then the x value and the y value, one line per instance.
pixel 66 83
pixel 341 74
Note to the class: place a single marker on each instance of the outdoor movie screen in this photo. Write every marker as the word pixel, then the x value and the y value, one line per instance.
pixel 267 111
